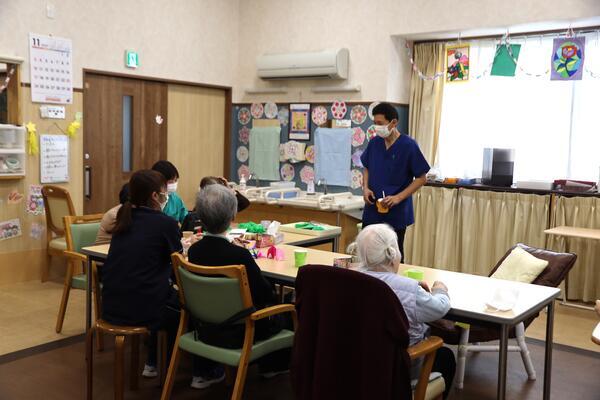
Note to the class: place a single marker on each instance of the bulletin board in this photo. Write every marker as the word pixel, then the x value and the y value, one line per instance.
pixel 54 158
pixel 244 116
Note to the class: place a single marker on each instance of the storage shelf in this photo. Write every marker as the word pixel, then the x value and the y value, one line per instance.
pixel 6 177
pixel 11 151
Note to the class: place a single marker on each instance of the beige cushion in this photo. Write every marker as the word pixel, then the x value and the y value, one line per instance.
pixel 59 243
pixel 520 266
pixel 435 388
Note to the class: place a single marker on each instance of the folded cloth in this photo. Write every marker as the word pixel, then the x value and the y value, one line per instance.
pixel 308 226
pixel 252 227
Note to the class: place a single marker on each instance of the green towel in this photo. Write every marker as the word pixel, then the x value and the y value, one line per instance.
pixel 264 152
pixel 309 226
pixel 252 227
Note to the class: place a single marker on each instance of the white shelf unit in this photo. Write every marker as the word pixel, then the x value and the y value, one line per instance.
pixel 12 151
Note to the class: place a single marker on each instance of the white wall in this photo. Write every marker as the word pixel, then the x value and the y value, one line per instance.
pixel 365 27
pixel 191 40
pixel 217 41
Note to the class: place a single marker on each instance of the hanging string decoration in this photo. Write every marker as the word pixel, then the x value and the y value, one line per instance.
pixel 416 69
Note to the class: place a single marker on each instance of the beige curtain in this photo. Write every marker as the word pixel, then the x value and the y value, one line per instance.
pixel 469 230
pixel 426 98
pixel 433 239
pixel 493 222
pixel 584 278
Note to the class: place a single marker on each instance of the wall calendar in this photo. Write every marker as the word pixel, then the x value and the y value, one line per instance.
pixel 51 70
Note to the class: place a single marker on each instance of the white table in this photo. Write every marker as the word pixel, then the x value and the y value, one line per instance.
pixel 468 294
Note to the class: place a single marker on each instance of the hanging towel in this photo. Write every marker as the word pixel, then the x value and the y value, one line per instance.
pixel 333 148
pixel 264 152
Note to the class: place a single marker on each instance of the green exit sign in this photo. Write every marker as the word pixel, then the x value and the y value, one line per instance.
pixel 132 59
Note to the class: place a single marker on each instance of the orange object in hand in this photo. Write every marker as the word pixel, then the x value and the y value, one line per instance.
pixel 381 208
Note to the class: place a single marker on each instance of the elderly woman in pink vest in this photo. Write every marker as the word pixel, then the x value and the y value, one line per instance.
pixel 379 255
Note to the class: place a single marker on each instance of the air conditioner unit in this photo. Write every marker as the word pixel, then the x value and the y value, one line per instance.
pixel 332 64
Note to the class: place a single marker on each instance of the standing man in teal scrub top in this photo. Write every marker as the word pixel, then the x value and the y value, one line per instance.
pixel 395 168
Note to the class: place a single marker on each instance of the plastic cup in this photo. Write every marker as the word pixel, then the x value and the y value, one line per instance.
pixel 381 209
pixel 415 274
pixel 187 234
pixel 300 257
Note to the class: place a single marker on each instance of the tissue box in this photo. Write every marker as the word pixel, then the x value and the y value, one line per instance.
pixel 265 240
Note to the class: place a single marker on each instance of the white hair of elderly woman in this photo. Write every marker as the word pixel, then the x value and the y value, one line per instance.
pixel 377 248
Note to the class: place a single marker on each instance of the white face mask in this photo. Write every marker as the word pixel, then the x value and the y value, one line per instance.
pixel 172 187
pixel 164 204
pixel 382 131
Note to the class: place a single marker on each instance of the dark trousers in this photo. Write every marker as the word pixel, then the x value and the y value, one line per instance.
pixel 169 322
pixel 445 364
pixel 400 232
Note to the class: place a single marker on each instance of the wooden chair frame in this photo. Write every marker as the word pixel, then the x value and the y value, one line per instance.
pixel 73 258
pixel 426 348
pixel 101 327
pixel 232 271
pixel 53 231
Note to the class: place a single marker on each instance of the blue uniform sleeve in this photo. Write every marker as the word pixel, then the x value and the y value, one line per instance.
pixel 364 158
pixel 417 162
pixel 173 236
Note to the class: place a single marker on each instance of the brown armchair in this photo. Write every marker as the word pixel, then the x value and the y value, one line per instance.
pixel 467 336
pixel 352 340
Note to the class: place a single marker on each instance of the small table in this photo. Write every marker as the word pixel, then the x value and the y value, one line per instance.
pixel 298 239
pixel 575 232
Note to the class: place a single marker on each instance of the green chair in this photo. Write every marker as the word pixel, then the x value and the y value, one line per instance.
pixel 212 295
pixel 80 231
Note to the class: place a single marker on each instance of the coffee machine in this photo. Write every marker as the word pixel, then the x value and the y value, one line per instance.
pixel 498 166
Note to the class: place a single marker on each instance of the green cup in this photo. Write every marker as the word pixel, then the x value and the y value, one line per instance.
pixel 300 257
pixel 415 274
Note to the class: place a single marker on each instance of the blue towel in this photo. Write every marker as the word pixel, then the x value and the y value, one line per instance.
pixel 264 152
pixel 333 149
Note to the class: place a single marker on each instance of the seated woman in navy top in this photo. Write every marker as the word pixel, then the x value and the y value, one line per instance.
pixel 137 289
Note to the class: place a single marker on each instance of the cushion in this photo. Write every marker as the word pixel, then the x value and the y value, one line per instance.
pixel 435 388
pixel 59 243
pixel 520 266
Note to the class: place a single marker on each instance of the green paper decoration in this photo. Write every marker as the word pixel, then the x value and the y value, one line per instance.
pixel 503 63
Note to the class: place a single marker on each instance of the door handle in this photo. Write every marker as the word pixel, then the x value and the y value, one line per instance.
pixel 87 182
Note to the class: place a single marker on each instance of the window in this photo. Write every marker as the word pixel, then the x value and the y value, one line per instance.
pixel 553 126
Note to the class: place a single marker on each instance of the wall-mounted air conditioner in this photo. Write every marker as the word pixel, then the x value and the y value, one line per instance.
pixel 332 64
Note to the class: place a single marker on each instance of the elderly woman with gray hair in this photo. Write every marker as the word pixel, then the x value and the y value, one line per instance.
pixel 217 206
pixel 379 255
